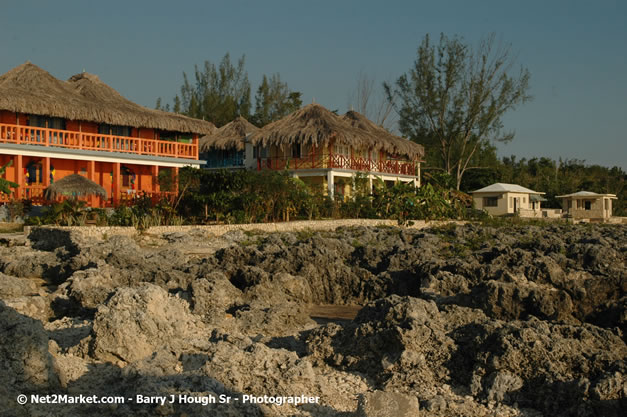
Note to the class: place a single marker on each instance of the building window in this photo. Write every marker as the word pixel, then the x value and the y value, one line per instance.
pixel 343 150
pixel 260 152
pixel 607 204
pixel 48 122
pixel 128 177
pixel 490 201
pixel 34 173
pixel 296 150
pixel 114 130
pixel 37 121
pixel 587 205
pixel 362 153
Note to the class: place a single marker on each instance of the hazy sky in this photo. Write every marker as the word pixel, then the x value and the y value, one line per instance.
pixel 576 52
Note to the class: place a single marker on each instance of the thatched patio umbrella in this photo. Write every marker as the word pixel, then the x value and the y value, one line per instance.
pixel 74 186
pixel 389 142
pixel 229 136
pixel 312 125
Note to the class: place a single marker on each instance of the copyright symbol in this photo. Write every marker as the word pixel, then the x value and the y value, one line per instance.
pixel 22 399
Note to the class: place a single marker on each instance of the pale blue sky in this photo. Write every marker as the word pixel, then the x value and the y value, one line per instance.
pixel 576 52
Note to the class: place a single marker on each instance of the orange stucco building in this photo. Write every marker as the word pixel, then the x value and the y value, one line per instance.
pixel 51 128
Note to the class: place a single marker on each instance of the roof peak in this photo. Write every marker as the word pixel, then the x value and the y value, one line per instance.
pixel 502 187
pixel 30 89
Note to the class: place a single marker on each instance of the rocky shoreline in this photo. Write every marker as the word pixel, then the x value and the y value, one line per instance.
pixel 456 321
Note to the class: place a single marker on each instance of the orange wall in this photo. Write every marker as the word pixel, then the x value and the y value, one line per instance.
pixel 7 117
pixel 144 180
pixel 65 167
pixel 72 125
pixel 146 133
pixel 89 127
pixel 9 174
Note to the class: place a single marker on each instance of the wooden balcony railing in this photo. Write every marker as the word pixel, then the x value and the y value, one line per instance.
pixel 35 193
pixel 95 142
pixel 399 167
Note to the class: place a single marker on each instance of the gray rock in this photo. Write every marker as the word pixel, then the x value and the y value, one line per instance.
pixel 136 322
pixel 26 366
pixel 16 287
pixel 387 404
pixel 502 383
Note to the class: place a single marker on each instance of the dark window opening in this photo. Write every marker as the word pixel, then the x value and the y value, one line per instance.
pixel 296 150
pixel 114 130
pixel 175 136
pixel 128 177
pixel 34 173
pixel 490 201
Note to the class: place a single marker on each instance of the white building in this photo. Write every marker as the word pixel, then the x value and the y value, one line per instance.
pixel 500 199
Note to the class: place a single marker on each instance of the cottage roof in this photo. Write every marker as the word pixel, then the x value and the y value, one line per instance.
pixel 231 135
pixel 30 89
pixel 505 188
pixel 584 194
pixel 314 125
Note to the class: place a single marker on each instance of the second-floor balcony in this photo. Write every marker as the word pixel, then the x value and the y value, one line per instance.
pixel 338 161
pixel 29 135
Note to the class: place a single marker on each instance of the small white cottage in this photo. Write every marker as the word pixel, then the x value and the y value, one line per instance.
pixel 501 199
pixel 586 205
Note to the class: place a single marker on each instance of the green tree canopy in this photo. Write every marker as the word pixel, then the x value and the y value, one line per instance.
pixel 274 100
pixel 221 93
pixel 218 93
pixel 453 99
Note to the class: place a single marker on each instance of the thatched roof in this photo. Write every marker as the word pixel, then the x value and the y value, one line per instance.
pixel 389 142
pixel 315 125
pixel 30 89
pixel 311 125
pixel 74 185
pixel 229 136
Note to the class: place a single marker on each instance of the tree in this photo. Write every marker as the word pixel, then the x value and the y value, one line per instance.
pixel 372 102
pixel 217 94
pixel 453 99
pixel 274 100
pixel 220 94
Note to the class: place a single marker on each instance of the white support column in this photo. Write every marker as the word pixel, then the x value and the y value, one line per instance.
pixel 330 185
pixel 370 183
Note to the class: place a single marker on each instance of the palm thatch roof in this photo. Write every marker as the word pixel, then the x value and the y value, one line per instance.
pixel 117 110
pixel 389 142
pixel 311 125
pixel 231 135
pixel 30 89
pixel 314 125
pixel 74 185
